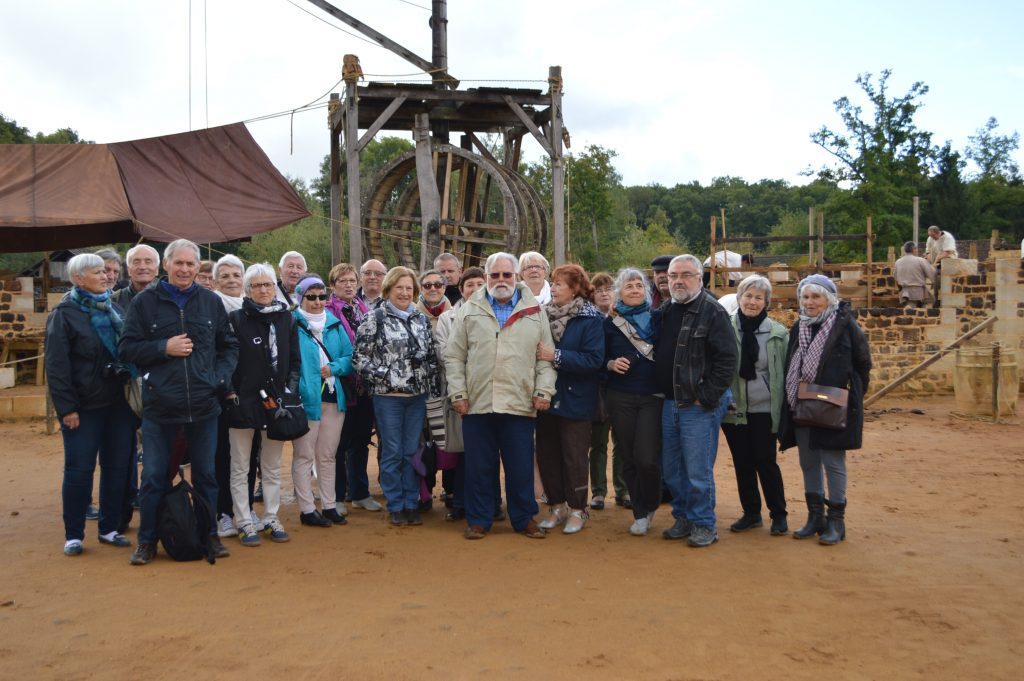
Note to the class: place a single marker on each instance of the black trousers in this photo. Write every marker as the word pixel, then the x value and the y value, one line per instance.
pixel 753 454
pixel 636 423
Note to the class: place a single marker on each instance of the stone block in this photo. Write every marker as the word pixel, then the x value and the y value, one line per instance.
pixel 7 375
pixel 23 304
pixel 952 267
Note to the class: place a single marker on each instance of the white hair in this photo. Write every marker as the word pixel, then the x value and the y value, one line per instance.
pixel 692 259
pixel 82 262
pixel 109 254
pixel 259 269
pixel 292 254
pixel 501 255
pixel 177 245
pixel 445 256
pixel 228 261
pixel 758 282
pixel 134 250
pixel 531 258
pixel 628 274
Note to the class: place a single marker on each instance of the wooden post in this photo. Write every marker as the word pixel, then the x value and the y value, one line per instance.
pixel 711 258
pixel 724 237
pixel 995 382
pixel 557 165
pixel 891 259
pixel 439 33
pixel 430 198
pixel 810 235
pixel 337 242
pixel 917 218
pixel 355 221
pixel 870 263
pixel 821 242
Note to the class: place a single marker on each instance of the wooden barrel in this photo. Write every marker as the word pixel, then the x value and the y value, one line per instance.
pixel 972 381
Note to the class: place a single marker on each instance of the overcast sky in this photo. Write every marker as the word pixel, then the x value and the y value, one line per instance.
pixel 681 90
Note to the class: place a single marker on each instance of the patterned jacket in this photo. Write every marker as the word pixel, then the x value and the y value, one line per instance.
pixel 395 355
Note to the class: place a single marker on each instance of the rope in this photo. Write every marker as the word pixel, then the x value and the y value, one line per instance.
pixel 17 361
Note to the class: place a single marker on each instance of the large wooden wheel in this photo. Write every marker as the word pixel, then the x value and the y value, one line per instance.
pixel 485 207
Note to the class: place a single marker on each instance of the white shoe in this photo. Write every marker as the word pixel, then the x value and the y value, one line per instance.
pixel 256 522
pixel 641 526
pixel 369 504
pixel 577 521
pixel 226 526
pixel 342 508
pixel 556 516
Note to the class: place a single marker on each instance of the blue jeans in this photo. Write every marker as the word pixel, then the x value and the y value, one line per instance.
pixel 399 428
pixel 157 441
pixel 689 447
pixel 351 481
pixel 489 438
pixel 109 431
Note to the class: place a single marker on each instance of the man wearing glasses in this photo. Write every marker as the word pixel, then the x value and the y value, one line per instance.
pixel 695 359
pixel 498 385
pixel 372 275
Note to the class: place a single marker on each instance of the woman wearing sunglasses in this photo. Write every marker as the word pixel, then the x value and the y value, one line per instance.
pixel 326 357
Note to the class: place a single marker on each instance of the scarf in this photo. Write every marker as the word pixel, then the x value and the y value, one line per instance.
pixel 749 349
pixel 231 303
pixel 102 316
pixel 559 315
pixel 316 323
pixel 639 317
pixel 179 296
pixel 403 315
pixel 434 312
pixel 804 365
pixel 252 308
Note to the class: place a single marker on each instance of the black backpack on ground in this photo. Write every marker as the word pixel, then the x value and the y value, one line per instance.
pixel 184 522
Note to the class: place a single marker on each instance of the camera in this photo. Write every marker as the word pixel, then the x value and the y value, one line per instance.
pixel 117 371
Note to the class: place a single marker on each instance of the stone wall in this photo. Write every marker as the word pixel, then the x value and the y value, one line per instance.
pixel 18 318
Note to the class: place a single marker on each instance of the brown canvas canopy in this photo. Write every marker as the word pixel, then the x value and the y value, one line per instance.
pixel 208 186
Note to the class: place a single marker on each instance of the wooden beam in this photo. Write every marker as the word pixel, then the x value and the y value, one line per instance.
pixel 531 126
pixel 557 162
pixel 337 242
pixel 386 42
pixel 821 241
pixel 355 222
pixel 384 117
pixel 871 275
pixel 430 200
pixel 482 148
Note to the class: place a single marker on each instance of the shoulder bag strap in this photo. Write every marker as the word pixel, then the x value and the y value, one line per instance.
pixel 642 346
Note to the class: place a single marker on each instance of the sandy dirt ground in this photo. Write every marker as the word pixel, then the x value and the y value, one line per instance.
pixel 928 585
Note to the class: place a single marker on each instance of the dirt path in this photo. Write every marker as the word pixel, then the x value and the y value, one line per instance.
pixel 928 585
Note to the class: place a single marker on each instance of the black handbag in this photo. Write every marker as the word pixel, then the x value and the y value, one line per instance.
pixel 288 421
pixel 821 406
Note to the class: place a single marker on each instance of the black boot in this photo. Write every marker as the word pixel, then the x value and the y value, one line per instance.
pixel 815 517
pixel 836 531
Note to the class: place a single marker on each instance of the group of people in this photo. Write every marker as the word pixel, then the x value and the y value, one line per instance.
pixel 511 366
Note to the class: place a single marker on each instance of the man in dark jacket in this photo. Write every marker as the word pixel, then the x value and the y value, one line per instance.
pixel 695 359
pixel 177 334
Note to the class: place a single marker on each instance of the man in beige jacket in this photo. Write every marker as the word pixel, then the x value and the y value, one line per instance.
pixel 498 385
pixel 914 275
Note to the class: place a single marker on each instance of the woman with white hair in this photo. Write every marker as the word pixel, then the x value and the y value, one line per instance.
pixel 758 391
pixel 268 368
pixel 827 348
pixel 227 281
pixel 533 270
pixel 87 383
pixel 634 406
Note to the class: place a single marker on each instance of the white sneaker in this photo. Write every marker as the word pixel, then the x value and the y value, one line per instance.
pixel 342 508
pixel 226 526
pixel 368 504
pixel 641 526
pixel 256 522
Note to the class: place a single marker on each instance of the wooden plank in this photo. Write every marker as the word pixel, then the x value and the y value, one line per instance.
pixel 385 41
pixel 473 96
pixel 468 239
pixel 870 274
pixel 355 231
pixel 482 148
pixel 531 126
pixel 711 263
pixel 383 118
pixel 430 202
pixel 821 241
pixel 477 225
pixel 554 149
pixel 337 239
pixel 780 239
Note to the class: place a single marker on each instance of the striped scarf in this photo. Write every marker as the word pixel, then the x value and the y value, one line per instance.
pixel 804 366
pixel 102 315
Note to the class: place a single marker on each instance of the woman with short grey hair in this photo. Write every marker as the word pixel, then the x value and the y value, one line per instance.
pixel 758 391
pixel 533 270
pixel 87 383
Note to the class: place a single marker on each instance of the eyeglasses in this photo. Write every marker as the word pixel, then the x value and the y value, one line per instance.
pixel 373 273
pixel 534 267
pixel 436 284
pixel 684 275
pixel 314 296
pixel 501 275
pixel 262 284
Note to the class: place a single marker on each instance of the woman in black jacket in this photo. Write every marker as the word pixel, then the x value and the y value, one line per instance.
pixel 828 348
pixel 268 367
pixel 87 383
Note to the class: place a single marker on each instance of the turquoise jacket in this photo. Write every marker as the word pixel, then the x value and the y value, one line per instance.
pixel 777 341
pixel 339 348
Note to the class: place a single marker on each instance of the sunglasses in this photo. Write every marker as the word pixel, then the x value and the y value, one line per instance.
pixel 314 296
pixel 437 284
pixel 501 275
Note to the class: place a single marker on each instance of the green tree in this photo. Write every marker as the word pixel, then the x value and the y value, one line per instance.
pixel 993 153
pixel 12 133
pixel 882 153
pixel 374 156
pixel 947 201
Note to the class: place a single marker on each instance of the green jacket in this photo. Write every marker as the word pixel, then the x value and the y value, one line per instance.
pixel 776 374
pixel 497 370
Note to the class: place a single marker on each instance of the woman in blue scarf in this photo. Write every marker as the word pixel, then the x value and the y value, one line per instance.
pixel 634 408
pixel 87 384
